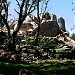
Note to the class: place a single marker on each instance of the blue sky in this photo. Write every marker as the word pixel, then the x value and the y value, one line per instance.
pixel 62 8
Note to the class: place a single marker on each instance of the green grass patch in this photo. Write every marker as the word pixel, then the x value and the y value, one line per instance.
pixel 45 67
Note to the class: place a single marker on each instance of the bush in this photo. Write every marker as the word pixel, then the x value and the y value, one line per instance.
pixel 43 41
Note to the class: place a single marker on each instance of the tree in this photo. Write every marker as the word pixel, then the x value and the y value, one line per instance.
pixel 37 36
pixel 44 6
pixel 38 17
pixel 4 14
pixel 26 7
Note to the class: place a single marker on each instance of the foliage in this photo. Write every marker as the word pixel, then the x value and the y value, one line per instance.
pixel 43 41
pixel 47 42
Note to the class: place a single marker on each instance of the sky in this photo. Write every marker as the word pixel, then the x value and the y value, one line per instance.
pixel 61 8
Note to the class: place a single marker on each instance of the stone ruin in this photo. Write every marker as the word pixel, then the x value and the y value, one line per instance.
pixel 49 28
pixel 49 25
pixel 61 23
pixel 48 16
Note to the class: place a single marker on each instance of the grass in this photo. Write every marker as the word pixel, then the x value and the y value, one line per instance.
pixel 45 68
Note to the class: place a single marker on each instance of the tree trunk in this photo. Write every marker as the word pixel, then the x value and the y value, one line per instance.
pixel 37 36
pixel 15 34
